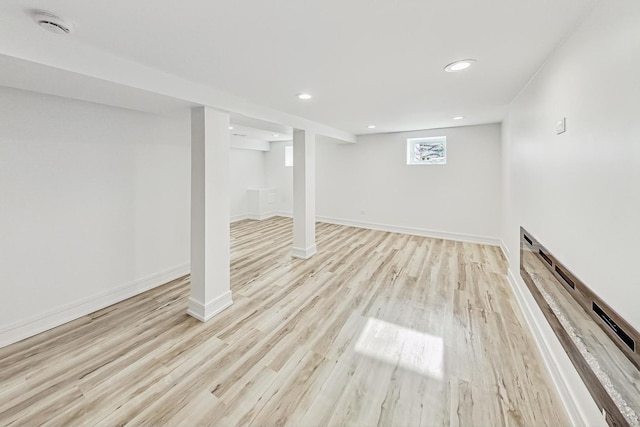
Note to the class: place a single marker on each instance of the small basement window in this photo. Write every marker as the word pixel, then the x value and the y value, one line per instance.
pixel 288 155
pixel 427 151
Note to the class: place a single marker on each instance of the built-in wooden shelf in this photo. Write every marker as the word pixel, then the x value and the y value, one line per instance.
pixel 603 347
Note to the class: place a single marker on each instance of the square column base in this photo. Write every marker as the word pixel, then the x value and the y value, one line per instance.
pixel 304 253
pixel 204 312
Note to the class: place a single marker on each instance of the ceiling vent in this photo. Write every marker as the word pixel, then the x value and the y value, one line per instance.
pixel 52 23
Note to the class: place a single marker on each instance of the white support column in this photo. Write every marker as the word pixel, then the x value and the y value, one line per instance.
pixel 304 194
pixel 210 236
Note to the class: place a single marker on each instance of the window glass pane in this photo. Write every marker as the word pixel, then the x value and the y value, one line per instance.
pixel 288 155
pixel 427 151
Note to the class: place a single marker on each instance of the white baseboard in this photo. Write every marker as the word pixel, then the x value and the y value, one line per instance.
pixel 505 250
pixel 492 241
pixel 582 411
pixel 239 217
pixel 261 216
pixel 285 214
pixel 61 315
pixel 204 312
pixel 304 253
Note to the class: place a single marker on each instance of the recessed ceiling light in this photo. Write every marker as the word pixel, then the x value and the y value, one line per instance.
pixel 371 127
pixel 304 96
pixel 230 127
pixel 275 135
pixel 458 118
pixel 459 65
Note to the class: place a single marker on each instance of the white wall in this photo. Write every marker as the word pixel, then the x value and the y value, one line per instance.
pixel 460 199
pixel 247 169
pixel 579 192
pixel 280 177
pixel 94 206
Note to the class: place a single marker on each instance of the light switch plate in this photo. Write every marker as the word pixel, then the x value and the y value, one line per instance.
pixel 561 126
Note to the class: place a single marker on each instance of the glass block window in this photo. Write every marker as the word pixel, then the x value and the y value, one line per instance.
pixel 427 151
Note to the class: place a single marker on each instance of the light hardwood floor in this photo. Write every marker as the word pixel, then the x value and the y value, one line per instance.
pixel 376 329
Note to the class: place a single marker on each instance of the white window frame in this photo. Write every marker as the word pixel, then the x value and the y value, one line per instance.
pixel 411 147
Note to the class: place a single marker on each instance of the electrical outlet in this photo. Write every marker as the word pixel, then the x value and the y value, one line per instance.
pixel 561 126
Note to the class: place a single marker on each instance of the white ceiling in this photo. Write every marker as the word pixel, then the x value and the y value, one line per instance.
pixel 248 127
pixel 365 61
pixel 259 134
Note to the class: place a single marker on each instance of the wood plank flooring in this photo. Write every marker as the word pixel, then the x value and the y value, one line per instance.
pixel 377 329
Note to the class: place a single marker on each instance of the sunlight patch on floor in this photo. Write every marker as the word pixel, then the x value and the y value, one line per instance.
pixel 408 348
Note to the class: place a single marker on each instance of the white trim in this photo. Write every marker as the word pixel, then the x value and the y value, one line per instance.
pixel 304 253
pixel 285 214
pixel 239 217
pixel 505 250
pixel 204 312
pixel 61 315
pixel 260 217
pixel 492 241
pixel 576 408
